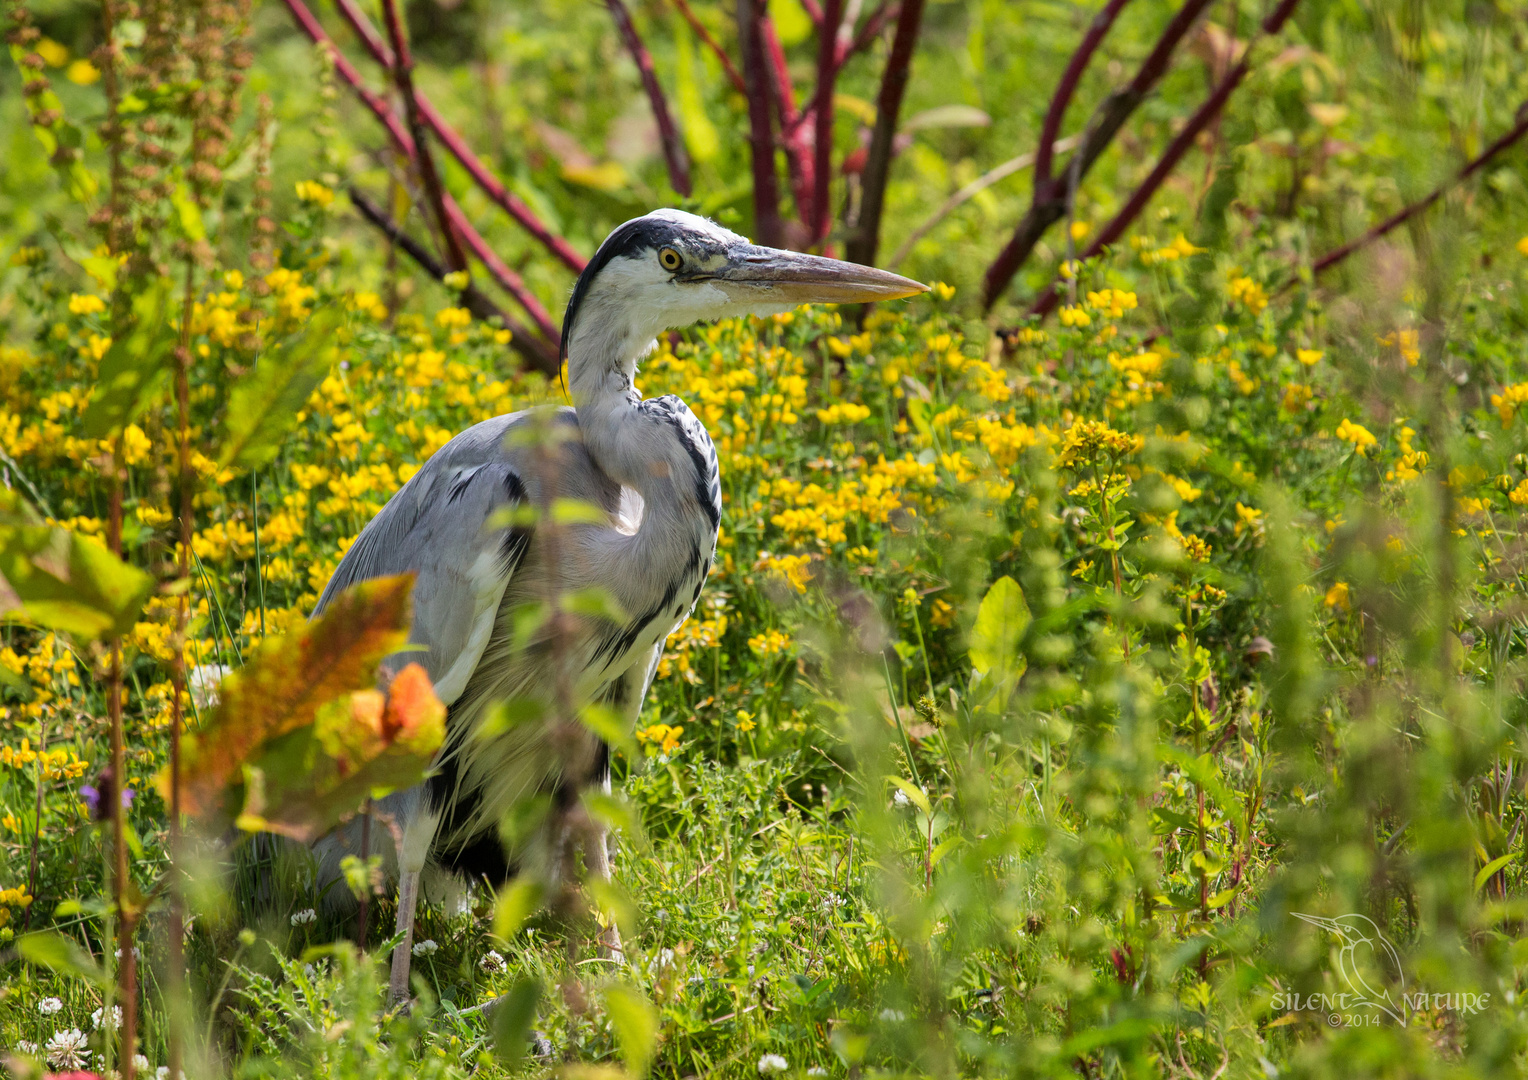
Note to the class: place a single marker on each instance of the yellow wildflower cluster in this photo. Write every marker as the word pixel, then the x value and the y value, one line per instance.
pixel 1248 293
pixel 1086 439
pixel 660 738
pixel 292 296
pixel 1357 434
pixel 16 898
pixel 1411 462
pixel 1004 441
pixel 1408 342
pixel 843 412
pixel 1112 302
pixel 1178 249
pixel 796 569
pixel 770 643
pixel 1509 401
pixel 702 630
pixel 311 191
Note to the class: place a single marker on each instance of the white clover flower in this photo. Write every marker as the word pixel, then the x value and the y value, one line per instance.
pixel 493 963
pixel 66 1049
pixel 426 947
pixel 900 798
pixel 817 1070
pixel 140 1063
pixel 666 958
pixel 772 1063
pixel 26 1048
pixel 162 1073
pixel 893 1015
pixel 113 1022
pixel 49 1005
pixel 305 916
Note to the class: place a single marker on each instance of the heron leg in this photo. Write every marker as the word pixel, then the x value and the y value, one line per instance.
pixel 413 850
pixel 597 855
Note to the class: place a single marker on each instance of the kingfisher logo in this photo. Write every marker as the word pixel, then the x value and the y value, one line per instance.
pixel 1371 968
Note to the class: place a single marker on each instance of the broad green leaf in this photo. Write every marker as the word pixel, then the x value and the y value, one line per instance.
pixel 614 902
pixel 1490 869
pixel 517 902
pixel 947 116
pixel 913 792
pixel 62 580
pixel 1000 624
pixel 188 213
pixel 264 404
pixel 135 366
pixel 50 949
pixel 636 1025
pixel 594 602
pixel 511 1021
pixel 611 811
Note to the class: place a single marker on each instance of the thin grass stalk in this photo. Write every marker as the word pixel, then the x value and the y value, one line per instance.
pixel 674 155
pixel 822 116
pixel 768 226
pixel 1180 145
pixel 733 75
pixel 423 159
pixel 865 237
pixel 458 148
pixel 1101 128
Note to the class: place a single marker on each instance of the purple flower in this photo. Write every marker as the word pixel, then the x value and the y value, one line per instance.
pixel 97 796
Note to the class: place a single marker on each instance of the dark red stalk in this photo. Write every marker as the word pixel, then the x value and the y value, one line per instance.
pixel 711 43
pixel 822 115
pixel 1050 202
pixel 673 144
pixel 453 142
pixel 1050 131
pixel 424 159
pixel 865 237
pixel 813 12
pixel 1180 145
pixel 1332 258
pixel 768 227
pixel 798 158
pixel 508 280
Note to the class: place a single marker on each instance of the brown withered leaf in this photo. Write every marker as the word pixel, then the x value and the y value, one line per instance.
pixel 283 687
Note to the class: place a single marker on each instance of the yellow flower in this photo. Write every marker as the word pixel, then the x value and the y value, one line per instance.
pixel 1356 434
pixel 1249 294
pixel 1519 494
pixel 1522 245
pixel 1074 316
pixel 86 304
pixel 53 54
pixel 1509 401
pixel 135 445
pixel 314 192
pixel 1079 229
pixel 1248 518
pixel 770 643
pixel 453 317
pixel 1338 597
pixel 1309 357
pixel 82 73
pixel 942 291
pixel 1195 548
pixel 665 739
pixel 745 721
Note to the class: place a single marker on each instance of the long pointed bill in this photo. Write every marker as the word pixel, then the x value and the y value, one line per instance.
pixel 761 275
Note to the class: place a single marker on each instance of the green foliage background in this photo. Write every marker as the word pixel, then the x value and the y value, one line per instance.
pixel 1045 676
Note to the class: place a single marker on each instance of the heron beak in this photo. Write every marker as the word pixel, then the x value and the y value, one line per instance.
pixel 771 276
pixel 1317 920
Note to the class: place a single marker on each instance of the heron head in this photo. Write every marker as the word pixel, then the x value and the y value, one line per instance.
pixel 670 269
pixel 1352 929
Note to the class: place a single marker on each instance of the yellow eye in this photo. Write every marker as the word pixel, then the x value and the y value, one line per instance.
pixel 669 258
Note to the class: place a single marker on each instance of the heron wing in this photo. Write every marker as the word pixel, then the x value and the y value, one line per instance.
pixel 440 527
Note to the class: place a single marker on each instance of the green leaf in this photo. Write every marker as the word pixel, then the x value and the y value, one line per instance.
pixel 608 725
pixel 264 404
pixel 134 368
pixel 505 716
pixel 517 902
pixel 614 901
pixel 577 512
pixel 913 792
pixel 1490 869
pixel 188 213
pixel 50 949
pixel 595 603
pixel 636 1025
pixel 62 580
pixel 511 1021
pixel 611 811
pixel 1000 624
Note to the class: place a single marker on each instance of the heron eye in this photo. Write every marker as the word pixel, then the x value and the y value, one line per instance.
pixel 669 258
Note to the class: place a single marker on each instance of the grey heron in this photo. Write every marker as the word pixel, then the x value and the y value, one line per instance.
pixel 650 468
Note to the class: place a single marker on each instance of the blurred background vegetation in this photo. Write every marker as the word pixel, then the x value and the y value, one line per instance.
pixel 1052 663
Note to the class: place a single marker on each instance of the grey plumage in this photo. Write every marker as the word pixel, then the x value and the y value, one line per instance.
pixel 650 469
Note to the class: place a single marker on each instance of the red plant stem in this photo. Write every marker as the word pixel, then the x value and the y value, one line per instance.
pixel 813 11
pixel 866 235
pixel 453 141
pixel 1335 256
pixel 798 158
pixel 673 144
pixel 111 795
pixel 1050 203
pixel 822 115
pixel 711 43
pixel 768 227
pixel 1180 146
pixel 405 146
pixel 1050 131
pixel 871 30
pixel 424 160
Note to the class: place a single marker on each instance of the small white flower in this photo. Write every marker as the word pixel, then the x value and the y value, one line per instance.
pixel 900 798
pixel 162 1073
pixel 772 1063
pixel 137 954
pixel 49 1006
pixel 666 958
pixel 426 947
pixel 113 1021
pixel 305 916
pixel 493 963
pixel 66 1049
pixel 893 1015
pixel 26 1048
pixel 817 1070
pixel 140 1063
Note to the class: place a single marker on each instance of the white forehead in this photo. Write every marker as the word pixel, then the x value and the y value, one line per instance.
pixel 694 223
